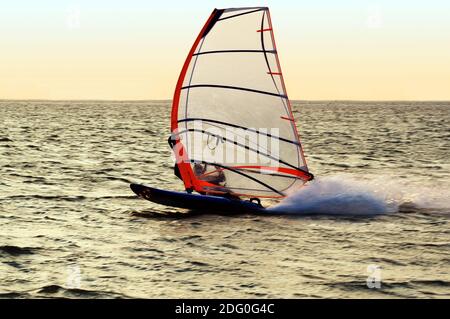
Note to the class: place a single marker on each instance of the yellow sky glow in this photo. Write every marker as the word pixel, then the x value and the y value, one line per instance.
pixel 327 53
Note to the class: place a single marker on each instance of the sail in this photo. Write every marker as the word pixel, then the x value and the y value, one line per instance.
pixel 232 125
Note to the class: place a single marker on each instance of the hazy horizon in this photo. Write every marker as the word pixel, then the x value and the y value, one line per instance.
pixel 170 100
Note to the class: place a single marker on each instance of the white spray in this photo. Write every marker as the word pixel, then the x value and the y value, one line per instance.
pixel 360 195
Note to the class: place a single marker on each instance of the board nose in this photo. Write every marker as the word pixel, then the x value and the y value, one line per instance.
pixel 136 188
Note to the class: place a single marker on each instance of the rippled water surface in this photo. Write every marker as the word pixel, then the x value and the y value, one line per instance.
pixel 70 226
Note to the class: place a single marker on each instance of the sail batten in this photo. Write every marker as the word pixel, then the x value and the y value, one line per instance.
pixel 238 126
pixel 240 14
pixel 232 121
pixel 235 51
pixel 232 88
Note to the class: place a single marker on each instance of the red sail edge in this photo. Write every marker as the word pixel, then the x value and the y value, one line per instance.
pixel 187 175
pixel 310 177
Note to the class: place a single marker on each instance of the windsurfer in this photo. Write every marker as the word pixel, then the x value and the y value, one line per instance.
pixel 216 177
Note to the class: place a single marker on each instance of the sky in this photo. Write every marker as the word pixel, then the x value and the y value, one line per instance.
pixel 134 49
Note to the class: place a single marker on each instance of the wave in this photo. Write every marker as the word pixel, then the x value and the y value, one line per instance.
pixel 75 292
pixel 16 250
pixel 361 196
pixel 47 197
pixel 68 198
pixel 58 291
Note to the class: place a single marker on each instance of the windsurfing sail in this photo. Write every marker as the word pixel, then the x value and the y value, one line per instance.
pixel 232 124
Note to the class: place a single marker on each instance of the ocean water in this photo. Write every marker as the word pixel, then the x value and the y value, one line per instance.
pixel 374 224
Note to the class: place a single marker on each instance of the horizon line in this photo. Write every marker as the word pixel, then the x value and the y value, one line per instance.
pixel 168 100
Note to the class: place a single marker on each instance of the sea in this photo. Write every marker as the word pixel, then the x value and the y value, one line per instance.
pixel 375 222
